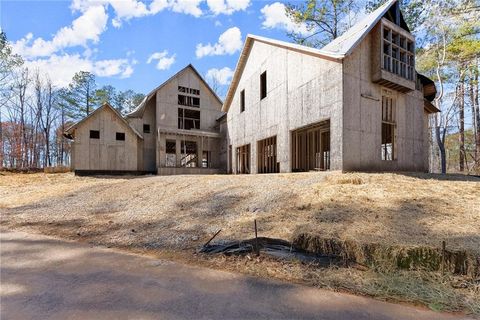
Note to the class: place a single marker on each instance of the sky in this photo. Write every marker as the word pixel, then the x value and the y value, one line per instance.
pixel 135 44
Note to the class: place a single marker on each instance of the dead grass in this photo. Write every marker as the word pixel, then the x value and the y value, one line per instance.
pixel 178 213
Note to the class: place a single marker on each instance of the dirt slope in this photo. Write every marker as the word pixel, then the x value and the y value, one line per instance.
pixel 178 212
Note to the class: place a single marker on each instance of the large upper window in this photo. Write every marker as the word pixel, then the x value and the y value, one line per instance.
pixel 398 54
pixel 188 119
pixel 188 101
pixel 388 128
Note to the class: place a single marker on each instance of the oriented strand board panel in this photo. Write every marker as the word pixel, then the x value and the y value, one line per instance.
pixel 362 117
pixel 301 90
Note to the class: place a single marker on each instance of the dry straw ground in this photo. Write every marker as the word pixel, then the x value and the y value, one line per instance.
pixel 173 215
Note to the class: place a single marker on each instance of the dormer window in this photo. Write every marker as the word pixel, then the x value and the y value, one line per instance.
pixel 398 54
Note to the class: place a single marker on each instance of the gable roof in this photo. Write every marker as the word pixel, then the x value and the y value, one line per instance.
pixel 337 50
pixel 71 129
pixel 345 44
pixel 138 111
pixel 242 60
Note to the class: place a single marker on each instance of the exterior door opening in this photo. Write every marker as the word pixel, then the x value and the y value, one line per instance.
pixel 311 147
pixel 243 159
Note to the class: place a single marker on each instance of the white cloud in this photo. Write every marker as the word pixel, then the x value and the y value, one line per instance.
pixel 88 27
pixel 61 68
pixel 229 42
pixel 164 61
pixel 274 16
pixel 186 6
pixel 227 6
pixel 108 68
pixel 221 76
pixel 158 5
pixel 128 9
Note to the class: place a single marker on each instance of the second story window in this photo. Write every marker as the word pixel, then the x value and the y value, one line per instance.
pixel 263 85
pixel 120 136
pixel 94 134
pixel 146 128
pixel 242 101
pixel 398 54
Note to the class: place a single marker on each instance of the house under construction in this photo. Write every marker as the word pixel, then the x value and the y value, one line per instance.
pixel 356 104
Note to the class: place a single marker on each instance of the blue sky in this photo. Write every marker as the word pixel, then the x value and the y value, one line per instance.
pixel 137 45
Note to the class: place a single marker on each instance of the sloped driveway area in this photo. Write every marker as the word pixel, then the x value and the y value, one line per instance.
pixel 46 278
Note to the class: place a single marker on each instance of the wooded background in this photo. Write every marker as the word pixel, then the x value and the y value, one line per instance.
pixel 34 113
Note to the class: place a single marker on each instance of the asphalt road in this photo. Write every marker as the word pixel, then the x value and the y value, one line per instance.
pixel 45 278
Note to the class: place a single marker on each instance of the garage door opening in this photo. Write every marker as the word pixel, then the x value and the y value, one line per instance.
pixel 311 147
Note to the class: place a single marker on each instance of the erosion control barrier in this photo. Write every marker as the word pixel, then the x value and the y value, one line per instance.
pixel 388 257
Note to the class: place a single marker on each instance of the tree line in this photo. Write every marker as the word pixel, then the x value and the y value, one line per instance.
pixel 447 51
pixel 34 113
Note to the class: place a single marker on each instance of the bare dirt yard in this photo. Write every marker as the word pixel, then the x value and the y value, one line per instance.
pixel 171 216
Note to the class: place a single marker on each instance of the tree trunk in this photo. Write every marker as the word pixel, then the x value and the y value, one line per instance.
pixel 439 135
pixel 441 147
pixel 2 148
pixel 461 132
pixel 88 101
pixel 62 139
pixel 476 116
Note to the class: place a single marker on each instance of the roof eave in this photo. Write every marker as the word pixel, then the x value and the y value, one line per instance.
pixel 430 107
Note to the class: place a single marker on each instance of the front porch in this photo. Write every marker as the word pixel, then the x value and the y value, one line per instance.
pixel 188 152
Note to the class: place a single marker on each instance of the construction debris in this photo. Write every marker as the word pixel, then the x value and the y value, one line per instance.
pixel 277 248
